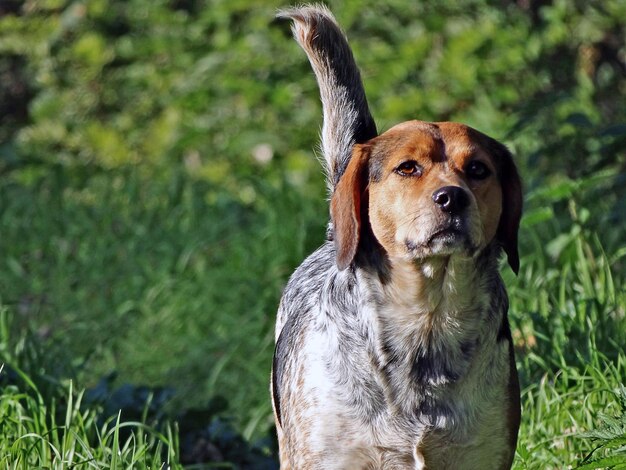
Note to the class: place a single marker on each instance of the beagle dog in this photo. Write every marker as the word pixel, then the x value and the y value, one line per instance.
pixel 393 346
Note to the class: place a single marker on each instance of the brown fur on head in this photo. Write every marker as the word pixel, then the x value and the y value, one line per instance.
pixel 433 189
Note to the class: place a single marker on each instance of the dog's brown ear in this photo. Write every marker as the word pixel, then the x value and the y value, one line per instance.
pixel 511 206
pixel 345 206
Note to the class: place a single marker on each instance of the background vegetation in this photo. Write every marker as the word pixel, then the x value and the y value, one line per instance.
pixel 158 184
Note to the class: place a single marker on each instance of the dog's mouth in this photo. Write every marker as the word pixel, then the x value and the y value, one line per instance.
pixel 451 238
pixel 453 232
pixel 448 236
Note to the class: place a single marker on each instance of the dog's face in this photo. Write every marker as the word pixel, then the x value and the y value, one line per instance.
pixel 430 190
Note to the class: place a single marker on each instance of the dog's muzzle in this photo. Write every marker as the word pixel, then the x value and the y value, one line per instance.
pixel 453 232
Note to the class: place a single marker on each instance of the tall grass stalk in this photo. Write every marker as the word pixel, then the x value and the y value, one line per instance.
pixel 32 437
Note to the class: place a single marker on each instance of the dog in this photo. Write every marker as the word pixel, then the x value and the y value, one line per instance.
pixel 393 346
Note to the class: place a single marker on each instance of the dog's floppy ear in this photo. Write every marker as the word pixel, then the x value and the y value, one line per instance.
pixel 511 206
pixel 345 206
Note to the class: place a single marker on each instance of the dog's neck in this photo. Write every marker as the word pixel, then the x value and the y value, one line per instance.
pixel 436 286
pixel 428 286
pixel 427 316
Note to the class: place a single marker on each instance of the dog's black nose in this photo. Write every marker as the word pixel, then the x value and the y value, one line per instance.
pixel 451 199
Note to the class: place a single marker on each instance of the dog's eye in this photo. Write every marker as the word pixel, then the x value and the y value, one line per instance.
pixel 409 168
pixel 477 170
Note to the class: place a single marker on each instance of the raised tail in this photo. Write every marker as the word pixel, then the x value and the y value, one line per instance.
pixel 347 118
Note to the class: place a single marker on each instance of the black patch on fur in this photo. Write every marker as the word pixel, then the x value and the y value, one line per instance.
pixel 504 332
pixel 278 362
pixel 276 374
pixel 365 129
pixel 468 348
pixel 486 261
pixel 430 368
pixel 500 306
pixel 371 256
pixel 430 409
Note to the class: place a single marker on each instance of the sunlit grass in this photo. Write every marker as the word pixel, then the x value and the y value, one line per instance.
pixel 568 311
pixel 183 293
pixel 34 435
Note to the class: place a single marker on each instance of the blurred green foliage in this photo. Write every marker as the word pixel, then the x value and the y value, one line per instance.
pixel 103 84
pixel 158 179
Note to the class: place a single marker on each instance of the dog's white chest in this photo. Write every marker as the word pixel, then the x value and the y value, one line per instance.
pixel 366 421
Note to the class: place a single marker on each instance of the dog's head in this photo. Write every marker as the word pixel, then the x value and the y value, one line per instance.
pixel 428 190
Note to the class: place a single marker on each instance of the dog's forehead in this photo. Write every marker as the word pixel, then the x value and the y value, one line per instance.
pixel 438 141
pixel 459 139
pixel 405 140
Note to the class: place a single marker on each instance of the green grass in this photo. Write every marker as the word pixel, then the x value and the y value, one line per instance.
pixel 55 429
pixel 175 290
pixel 33 438
pixel 143 242
pixel 168 288
pixel 568 312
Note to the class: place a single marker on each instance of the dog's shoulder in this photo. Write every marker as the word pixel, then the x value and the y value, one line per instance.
pixel 303 289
